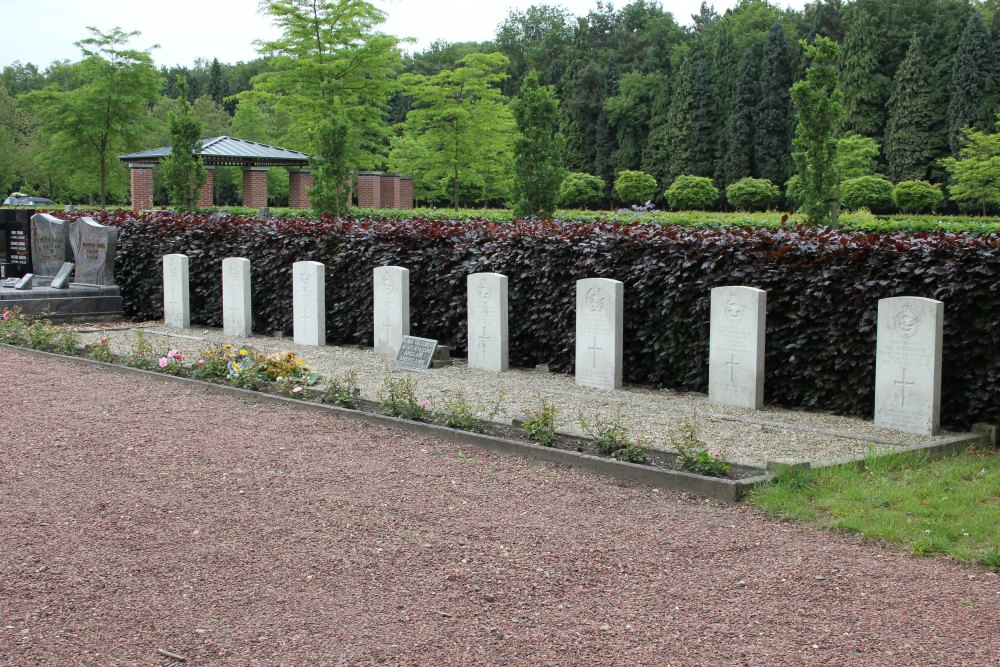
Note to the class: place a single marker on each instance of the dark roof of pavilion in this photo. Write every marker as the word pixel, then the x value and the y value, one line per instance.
pixel 227 151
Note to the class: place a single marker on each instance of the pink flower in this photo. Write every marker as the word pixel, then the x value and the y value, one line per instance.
pixel 201 362
pixel 6 315
pixel 163 362
pixel 175 354
pixel 423 405
pixel 102 340
pixel 715 453
pixel 297 390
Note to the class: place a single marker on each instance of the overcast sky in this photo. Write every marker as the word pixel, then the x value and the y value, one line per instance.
pixel 42 31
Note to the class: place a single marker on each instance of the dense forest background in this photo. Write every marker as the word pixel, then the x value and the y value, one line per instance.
pixel 636 90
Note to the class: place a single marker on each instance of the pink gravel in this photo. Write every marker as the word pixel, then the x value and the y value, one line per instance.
pixel 141 515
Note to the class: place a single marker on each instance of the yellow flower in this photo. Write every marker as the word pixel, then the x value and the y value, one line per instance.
pixel 228 346
pixel 243 352
pixel 299 362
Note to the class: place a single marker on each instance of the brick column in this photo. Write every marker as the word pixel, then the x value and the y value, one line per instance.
pixel 299 182
pixel 370 189
pixel 387 187
pixel 141 186
pixel 255 187
pixel 405 192
pixel 206 197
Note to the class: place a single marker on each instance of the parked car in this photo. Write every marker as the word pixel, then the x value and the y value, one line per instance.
pixel 21 199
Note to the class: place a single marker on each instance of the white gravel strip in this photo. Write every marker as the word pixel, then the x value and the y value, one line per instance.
pixel 740 435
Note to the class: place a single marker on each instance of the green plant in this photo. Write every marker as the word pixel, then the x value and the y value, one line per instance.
pixel 101 350
pixel 172 363
pixel 142 354
pixel 212 363
pixel 290 387
pixel 42 335
pixel 916 196
pixel 343 391
pixel 399 397
pixel 792 476
pixel 871 192
pixel 283 365
pixel 691 193
pixel 579 190
pixel 693 455
pixel 752 194
pixel 634 187
pixel 540 424
pixel 245 368
pixel 13 328
pixel 459 413
pixel 611 438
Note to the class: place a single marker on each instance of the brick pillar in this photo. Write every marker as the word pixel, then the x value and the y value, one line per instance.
pixel 299 182
pixel 370 189
pixel 405 192
pixel 206 197
pixel 255 187
pixel 387 187
pixel 141 182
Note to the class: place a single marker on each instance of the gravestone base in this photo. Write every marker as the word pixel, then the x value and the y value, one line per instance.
pixel 76 303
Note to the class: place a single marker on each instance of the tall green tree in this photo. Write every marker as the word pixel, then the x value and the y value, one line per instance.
pixel 737 160
pixel 908 133
pixel 457 139
pixel 817 101
pixel 702 137
pixel 976 173
pixel 183 173
pixel 330 170
pixel 329 58
pixel 971 71
pixel 668 151
pixel 89 125
pixel 862 84
pixel 537 38
pixel 629 113
pixel 772 131
pixel 537 150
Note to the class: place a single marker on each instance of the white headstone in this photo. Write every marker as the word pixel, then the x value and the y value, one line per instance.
pixel 309 303
pixel 908 364
pixel 487 303
pixel 236 307
pixel 391 286
pixel 599 303
pixel 736 347
pixel 176 295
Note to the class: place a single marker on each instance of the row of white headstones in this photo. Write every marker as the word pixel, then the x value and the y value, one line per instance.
pixel 908 348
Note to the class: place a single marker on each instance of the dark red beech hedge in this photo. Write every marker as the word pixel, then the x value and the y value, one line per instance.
pixel 823 288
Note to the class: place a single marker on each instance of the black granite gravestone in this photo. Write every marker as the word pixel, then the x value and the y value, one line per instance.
pixel 15 228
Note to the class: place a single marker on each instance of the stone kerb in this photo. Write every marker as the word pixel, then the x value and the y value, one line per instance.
pixel 736 347
pixel 599 320
pixel 908 364
pixel 309 303
pixel 237 313
pixel 488 332
pixel 176 295
pixel 391 298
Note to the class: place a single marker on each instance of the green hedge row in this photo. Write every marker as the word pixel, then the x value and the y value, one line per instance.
pixel 823 289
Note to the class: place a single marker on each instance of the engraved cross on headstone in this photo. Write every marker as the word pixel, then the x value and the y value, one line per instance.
pixel 903 384
pixel 386 328
pixel 596 350
pixel 482 340
pixel 173 287
pixel 732 363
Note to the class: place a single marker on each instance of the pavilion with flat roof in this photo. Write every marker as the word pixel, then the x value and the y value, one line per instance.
pixel 255 159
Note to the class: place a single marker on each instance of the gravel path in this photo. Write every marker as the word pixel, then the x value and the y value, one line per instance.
pixel 741 435
pixel 140 515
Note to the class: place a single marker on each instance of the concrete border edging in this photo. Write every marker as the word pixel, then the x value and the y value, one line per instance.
pixel 726 490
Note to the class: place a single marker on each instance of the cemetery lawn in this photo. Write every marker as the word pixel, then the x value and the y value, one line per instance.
pixel 948 507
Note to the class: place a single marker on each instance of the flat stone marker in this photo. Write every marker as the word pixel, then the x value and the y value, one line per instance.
pixel 49 244
pixel 908 364
pixel 309 303
pixel 736 347
pixel 94 248
pixel 236 309
pixel 416 353
pixel 391 285
pixel 61 281
pixel 176 295
pixel 599 304
pixel 488 338
pixel 25 281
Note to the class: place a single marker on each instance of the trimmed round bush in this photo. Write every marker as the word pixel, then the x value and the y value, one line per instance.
pixel 752 194
pixel 634 187
pixel 871 192
pixel 917 196
pixel 692 193
pixel 579 190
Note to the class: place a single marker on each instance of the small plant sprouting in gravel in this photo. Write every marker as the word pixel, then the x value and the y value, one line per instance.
pixel 101 350
pixel 343 391
pixel 612 439
pixel 693 454
pixel 399 399
pixel 540 424
pixel 142 354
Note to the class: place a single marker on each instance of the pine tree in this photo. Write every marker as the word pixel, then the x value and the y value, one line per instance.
pixel 703 110
pixel 907 144
pixel 218 87
pixel 537 149
pixel 582 102
pixel 725 78
pixel 861 83
pixel 668 151
pixel 971 71
pixel 772 132
pixel 737 161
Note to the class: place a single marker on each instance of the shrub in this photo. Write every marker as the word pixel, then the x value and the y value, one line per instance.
pixel 693 455
pixel 634 187
pixel 752 194
pixel 871 192
pixel 692 193
pixel 399 399
pixel 917 196
pixel 343 391
pixel 580 190
pixel 540 424
pixel 611 438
